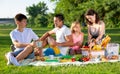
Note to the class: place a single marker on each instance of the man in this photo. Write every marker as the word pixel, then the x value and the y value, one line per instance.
pixel 62 32
pixel 21 38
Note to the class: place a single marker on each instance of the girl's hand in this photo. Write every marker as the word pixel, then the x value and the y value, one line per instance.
pixel 78 43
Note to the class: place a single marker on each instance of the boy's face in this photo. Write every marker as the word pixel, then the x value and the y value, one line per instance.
pixel 22 24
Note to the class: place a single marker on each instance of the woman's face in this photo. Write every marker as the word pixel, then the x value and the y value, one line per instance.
pixel 91 18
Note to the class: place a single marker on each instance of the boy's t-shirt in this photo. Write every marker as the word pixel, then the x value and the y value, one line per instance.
pixel 23 37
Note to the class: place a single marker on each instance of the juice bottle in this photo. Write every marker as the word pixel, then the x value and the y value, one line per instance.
pixel 56 49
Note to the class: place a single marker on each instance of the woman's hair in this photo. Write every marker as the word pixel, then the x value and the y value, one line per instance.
pixel 74 24
pixel 92 12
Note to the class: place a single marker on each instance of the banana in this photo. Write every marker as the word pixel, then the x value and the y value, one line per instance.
pixel 97 47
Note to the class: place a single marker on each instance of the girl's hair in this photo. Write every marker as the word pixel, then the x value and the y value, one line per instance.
pixel 92 12
pixel 74 24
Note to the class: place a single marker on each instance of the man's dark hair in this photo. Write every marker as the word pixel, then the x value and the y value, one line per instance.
pixel 20 17
pixel 60 16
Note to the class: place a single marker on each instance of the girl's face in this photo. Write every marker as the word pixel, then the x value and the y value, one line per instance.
pixel 91 18
pixel 77 28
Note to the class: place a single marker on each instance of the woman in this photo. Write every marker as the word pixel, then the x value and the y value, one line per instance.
pixel 96 27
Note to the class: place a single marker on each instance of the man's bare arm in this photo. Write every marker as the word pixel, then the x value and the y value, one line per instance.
pixel 44 36
pixel 69 41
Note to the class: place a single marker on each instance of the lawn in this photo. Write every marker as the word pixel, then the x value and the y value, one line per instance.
pixel 102 68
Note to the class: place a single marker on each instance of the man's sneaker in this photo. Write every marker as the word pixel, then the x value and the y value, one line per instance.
pixel 13 60
pixel 7 56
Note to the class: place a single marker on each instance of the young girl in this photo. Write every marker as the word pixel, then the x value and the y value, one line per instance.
pixel 78 37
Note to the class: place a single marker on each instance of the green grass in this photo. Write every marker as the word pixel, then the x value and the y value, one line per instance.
pixel 102 68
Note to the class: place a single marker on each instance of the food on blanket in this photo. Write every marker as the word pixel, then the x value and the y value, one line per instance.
pixel 114 57
pixel 66 57
pixel 105 41
pixel 104 59
pixel 97 47
pixel 52 60
pixel 78 56
pixel 65 60
pixel 84 58
pixel 73 59
pixel 39 58
pixel 85 48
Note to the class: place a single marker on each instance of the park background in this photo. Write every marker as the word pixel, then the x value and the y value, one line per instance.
pixel 40 20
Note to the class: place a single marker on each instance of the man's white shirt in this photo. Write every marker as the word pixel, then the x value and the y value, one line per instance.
pixel 61 33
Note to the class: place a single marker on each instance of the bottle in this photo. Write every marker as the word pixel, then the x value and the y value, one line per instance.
pixel 105 41
pixel 56 49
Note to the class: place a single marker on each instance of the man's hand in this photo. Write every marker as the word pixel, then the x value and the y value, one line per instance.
pixel 53 43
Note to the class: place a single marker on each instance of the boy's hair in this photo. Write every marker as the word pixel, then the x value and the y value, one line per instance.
pixel 60 16
pixel 20 17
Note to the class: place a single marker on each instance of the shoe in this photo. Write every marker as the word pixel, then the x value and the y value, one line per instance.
pixel 7 56
pixel 13 60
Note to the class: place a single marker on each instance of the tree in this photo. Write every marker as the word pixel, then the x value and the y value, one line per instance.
pixel 108 10
pixel 41 20
pixel 35 11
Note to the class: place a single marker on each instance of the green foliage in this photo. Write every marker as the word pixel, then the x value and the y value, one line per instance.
pixel 108 10
pixel 101 68
pixel 34 10
pixel 37 12
pixel 41 20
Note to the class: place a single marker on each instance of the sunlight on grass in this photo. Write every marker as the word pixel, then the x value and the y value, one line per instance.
pixel 102 68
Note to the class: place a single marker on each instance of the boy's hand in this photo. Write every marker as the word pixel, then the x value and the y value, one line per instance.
pixel 33 43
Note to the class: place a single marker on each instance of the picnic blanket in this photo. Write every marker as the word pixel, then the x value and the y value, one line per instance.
pixel 76 63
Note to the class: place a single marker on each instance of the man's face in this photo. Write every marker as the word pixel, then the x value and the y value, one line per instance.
pixel 57 22
pixel 22 24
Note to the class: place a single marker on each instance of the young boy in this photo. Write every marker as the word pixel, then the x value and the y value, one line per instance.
pixel 21 38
